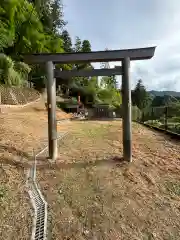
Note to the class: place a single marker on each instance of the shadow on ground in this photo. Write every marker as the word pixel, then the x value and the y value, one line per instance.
pixel 95 119
pixel 14 151
pixel 44 164
pixel 104 162
pixel 39 109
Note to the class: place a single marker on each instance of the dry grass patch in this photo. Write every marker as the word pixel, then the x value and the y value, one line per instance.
pixel 21 131
pixel 15 218
pixel 93 194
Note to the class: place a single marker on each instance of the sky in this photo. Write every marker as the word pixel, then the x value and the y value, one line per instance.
pixel 118 24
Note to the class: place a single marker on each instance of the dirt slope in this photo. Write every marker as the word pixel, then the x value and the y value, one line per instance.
pixel 90 194
pixel 94 194
pixel 21 131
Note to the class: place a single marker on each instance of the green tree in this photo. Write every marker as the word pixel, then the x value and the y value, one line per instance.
pixel 13 73
pixel 80 46
pixel 77 48
pixel 140 96
pixel 24 25
pixel 109 82
pixel 67 42
pixel 77 45
pixel 50 14
pixel 86 46
pixel 57 14
pixel 110 96
pixel 7 33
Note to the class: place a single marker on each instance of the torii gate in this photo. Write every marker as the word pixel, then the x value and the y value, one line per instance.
pixel 125 56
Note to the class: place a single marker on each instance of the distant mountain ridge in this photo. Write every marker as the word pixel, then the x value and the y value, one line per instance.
pixel 164 93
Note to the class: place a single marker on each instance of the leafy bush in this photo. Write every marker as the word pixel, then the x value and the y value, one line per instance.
pixel 11 73
pixel 110 96
pixel 74 100
pixel 174 110
pixel 23 69
pixel 174 127
pixel 155 123
pixel 136 114
pixel 174 119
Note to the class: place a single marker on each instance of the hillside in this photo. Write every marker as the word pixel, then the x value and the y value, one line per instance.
pixel 163 93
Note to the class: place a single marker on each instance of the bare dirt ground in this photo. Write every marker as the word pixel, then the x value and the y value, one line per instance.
pixel 93 194
pixel 21 131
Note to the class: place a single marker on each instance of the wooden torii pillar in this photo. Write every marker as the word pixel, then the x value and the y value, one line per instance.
pixel 125 56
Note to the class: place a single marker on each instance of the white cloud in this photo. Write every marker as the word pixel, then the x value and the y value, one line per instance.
pixel 118 24
pixel 163 71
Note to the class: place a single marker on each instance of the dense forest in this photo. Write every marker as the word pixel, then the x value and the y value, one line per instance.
pixel 163 93
pixel 39 26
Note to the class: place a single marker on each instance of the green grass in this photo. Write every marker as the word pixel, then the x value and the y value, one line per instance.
pixel 174 119
pixel 172 125
pixel 173 188
pixel 97 131
pixel 3 192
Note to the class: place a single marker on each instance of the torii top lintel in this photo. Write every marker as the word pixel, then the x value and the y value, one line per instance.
pixel 98 56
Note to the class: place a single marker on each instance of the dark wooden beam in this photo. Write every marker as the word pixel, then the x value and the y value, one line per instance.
pixel 87 73
pixel 98 56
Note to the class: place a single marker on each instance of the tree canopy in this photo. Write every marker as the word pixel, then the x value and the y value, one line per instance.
pixel 140 96
pixel 34 26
